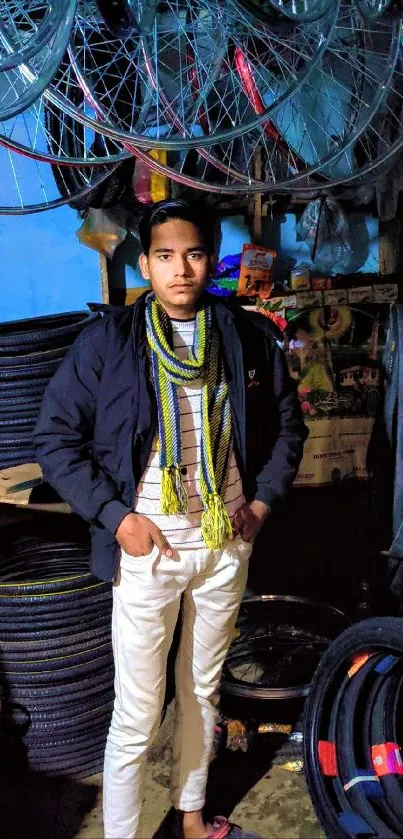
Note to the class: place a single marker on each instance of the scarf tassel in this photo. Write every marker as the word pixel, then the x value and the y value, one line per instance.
pixel 174 496
pixel 216 527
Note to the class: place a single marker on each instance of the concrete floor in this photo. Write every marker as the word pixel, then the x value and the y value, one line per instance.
pixel 263 798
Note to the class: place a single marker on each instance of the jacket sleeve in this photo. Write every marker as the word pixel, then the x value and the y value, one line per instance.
pixel 64 432
pixel 278 474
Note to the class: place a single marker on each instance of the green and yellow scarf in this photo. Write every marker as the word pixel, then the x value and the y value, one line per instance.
pixel 204 361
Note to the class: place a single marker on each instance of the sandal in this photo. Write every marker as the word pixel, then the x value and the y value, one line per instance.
pixel 222 829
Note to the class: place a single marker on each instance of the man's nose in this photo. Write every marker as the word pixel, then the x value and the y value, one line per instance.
pixel 182 266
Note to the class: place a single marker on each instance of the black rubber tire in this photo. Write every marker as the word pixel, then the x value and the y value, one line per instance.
pixel 49 328
pixel 348 733
pixel 27 694
pixel 63 674
pixel 71 746
pixel 61 662
pixel 84 723
pixel 57 663
pixel 377 635
pixel 89 764
pixel 29 372
pixel 69 644
pixel 31 358
pixel 24 420
pixel 74 585
pixel 375 734
pixel 53 713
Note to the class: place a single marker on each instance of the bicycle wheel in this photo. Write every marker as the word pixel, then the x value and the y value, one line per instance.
pixel 18 91
pixel 372 9
pixel 49 131
pixel 281 640
pixel 29 26
pixel 191 41
pixel 303 11
pixel 360 65
pixel 30 186
pixel 375 151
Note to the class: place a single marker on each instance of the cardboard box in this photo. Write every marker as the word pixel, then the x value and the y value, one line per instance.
pixel 361 294
pixel 335 297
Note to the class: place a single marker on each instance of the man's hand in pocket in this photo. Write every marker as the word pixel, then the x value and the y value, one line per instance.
pixel 137 535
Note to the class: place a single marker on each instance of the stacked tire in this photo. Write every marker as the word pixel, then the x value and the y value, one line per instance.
pixel 353 733
pixel 30 353
pixel 56 665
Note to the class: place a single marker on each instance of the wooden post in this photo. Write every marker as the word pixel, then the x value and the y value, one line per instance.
pixel 389 246
pixel 257 201
pixel 103 264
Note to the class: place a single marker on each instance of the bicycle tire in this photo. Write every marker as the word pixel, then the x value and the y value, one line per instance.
pixel 27 693
pixel 44 328
pixel 370 637
pixel 374 728
pixel 235 687
pixel 345 743
pixel 43 30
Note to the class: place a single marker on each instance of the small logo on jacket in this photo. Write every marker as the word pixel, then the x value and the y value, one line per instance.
pixel 252 380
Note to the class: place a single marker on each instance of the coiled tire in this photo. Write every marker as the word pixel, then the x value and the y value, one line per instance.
pixel 353 715
pixel 55 647
pixel 30 353
pixel 42 333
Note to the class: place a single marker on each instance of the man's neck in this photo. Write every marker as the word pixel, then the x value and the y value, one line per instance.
pixel 180 312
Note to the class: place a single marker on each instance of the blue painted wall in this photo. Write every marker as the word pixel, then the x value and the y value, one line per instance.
pixel 45 269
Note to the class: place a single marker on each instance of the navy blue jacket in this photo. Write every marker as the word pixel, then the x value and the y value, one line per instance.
pixel 98 418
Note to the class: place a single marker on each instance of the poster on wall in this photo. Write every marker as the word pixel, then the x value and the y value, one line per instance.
pixel 333 353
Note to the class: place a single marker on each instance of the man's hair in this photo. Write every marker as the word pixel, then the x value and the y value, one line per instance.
pixel 164 211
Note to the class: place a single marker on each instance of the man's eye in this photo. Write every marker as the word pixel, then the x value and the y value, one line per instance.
pixel 196 255
pixel 164 257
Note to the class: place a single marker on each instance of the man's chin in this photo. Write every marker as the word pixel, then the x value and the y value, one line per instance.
pixel 184 298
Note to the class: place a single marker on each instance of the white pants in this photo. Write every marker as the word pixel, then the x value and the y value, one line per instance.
pixel 146 604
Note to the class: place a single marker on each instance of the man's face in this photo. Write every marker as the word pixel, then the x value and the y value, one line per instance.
pixel 177 265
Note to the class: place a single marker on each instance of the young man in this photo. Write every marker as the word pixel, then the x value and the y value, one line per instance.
pixel 174 428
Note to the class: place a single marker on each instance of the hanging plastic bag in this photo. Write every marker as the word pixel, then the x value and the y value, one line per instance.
pixel 229 266
pixel 101 232
pixel 325 229
pixel 148 185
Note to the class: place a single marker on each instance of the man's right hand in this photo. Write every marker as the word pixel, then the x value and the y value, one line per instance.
pixel 137 535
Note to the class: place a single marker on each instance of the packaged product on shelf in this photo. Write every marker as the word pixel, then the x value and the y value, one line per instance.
pixel 256 273
pixel 322 283
pixel 300 278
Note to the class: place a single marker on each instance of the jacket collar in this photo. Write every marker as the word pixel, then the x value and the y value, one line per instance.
pixel 223 311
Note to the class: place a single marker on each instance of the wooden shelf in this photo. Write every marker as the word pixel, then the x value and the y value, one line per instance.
pixel 17 484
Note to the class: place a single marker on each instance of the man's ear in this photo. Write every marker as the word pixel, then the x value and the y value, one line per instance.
pixel 144 266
